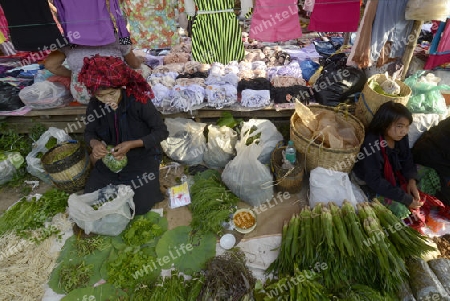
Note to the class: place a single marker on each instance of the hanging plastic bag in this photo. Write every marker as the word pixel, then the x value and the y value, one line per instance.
pixel 426 94
pixel 327 185
pixel 262 132
pixel 102 212
pixel 248 178
pixel 186 143
pixel 45 95
pixel 40 147
pixel 221 146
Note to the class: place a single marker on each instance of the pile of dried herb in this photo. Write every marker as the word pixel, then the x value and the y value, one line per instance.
pixel 227 277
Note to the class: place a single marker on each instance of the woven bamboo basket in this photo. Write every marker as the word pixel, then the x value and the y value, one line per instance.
pixel 68 173
pixel 287 180
pixel 316 155
pixel 369 100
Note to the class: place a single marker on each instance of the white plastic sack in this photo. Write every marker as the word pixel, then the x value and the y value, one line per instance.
pixel 421 123
pixel 34 165
pixel 248 178
pixel 427 10
pixel 269 137
pixel 186 142
pixel 111 218
pixel 327 185
pixel 221 146
pixel 7 171
pixel 45 95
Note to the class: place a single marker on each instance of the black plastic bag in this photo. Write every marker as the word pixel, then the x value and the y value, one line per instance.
pixel 286 94
pixel 338 81
pixel 9 98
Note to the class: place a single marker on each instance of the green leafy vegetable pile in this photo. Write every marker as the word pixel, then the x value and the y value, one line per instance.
pixel 31 214
pixel 145 229
pixel 112 163
pixel 73 276
pixel 211 202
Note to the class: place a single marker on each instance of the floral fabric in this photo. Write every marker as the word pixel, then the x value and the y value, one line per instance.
pixel 153 22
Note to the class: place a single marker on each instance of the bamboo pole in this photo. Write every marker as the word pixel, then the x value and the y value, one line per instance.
pixel 409 50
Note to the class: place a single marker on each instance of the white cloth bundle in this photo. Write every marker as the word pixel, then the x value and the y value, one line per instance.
pixel 219 96
pixel 184 98
pixel 161 92
pixel 255 98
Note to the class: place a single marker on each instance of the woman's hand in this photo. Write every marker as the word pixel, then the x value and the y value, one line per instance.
pixel 121 150
pixel 412 190
pixel 98 150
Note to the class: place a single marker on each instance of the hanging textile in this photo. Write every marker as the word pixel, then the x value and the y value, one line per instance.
pixel 152 22
pixel 216 34
pixel 335 16
pixel 31 25
pixel 275 21
pixel 440 47
pixel 390 25
pixel 360 53
pixel 88 22
pixel 3 24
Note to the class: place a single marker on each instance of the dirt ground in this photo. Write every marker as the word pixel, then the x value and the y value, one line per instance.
pixel 9 196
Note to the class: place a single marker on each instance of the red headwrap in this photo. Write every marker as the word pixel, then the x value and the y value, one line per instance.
pixel 112 72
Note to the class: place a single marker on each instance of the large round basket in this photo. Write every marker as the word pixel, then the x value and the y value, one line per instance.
pixel 369 100
pixel 68 166
pixel 316 155
pixel 287 180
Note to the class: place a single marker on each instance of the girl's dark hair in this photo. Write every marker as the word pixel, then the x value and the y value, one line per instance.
pixel 388 113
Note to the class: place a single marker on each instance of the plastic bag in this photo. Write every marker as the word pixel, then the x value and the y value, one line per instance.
pixel 111 217
pixel 112 163
pixel 186 142
pixel 330 186
pixel 7 171
pixel 421 123
pixel 262 132
pixel 34 166
pixel 308 68
pixel 9 98
pixel 221 146
pixel 426 94
pixel 248 178
pixel 427 10
pixel 45 95
pixel 338 81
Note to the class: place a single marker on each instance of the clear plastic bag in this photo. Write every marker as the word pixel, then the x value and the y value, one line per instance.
pixel 186 143
pixel 34 165
pixel 111 217
pixel 248 178
pixel 45 95
pixel 262 132
pixel 221 146
pixel 7 171
pixel 426 94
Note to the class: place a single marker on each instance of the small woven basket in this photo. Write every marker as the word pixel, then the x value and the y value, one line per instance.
pixel 316 155
pixel 369 100
pixel 68 166
pixel 287 180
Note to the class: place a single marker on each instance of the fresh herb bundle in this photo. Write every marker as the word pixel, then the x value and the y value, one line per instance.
pixel 32 214
pixel 211 202
pixel 87 246
pixel 74 276
pixel 145 229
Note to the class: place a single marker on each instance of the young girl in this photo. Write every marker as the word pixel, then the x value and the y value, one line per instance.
pixel 385 166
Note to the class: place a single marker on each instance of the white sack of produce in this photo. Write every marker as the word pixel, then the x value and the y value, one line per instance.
pixel 424 282
pixel 248 178
pixel 327 185
pixel 45 95
pixel 441 268
pixel 48 139
pixel 103 213
pixel 220 148
pixel 262 132
pixel 186 142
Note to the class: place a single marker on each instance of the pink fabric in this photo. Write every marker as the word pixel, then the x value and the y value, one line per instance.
pixel 444 43
pixel 335 16
pixel 4 24
pixel 274 21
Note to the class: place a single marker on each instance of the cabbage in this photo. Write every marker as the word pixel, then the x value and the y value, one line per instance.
pixel 112 163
